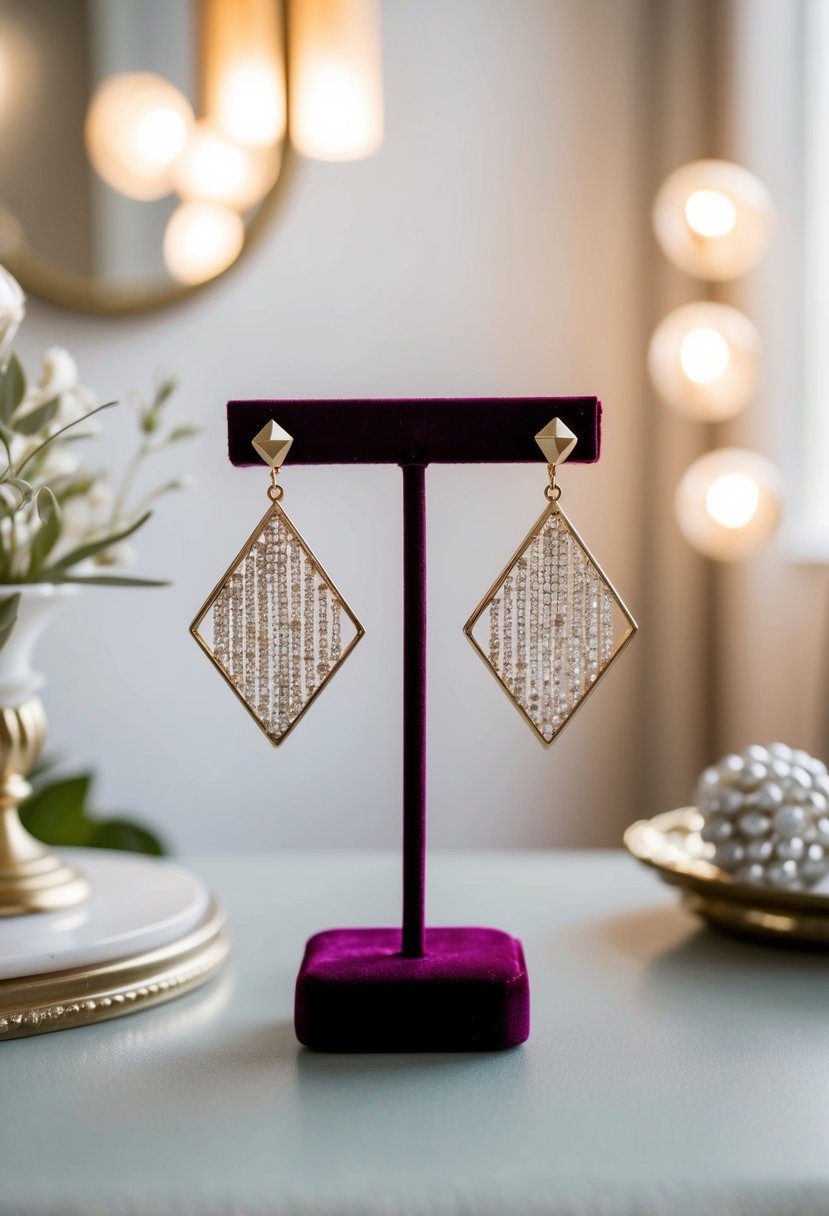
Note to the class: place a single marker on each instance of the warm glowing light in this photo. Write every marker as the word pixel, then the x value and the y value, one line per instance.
pixel 710 212
pixel 704 361
pixel 336 79
pixel 732 500
pixel 243 69
pixel 201 240
pixel 713 219
pixel 136 127
pixel 728 503
pixel 250 104
pixel 704 355
pixel 215 169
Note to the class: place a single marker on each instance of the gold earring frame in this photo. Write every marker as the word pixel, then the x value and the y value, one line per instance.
pixel 272 443
pixel 556 442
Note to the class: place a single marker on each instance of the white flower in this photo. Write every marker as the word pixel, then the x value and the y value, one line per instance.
pixel 59 375
pixel 12 312
pixel 59 378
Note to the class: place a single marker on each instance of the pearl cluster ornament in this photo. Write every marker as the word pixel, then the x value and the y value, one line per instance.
pixel 766 815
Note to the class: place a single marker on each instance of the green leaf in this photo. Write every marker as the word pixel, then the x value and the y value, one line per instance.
pixel 34 420
pixel 92 547
pixel 12 388
pixel 57 813
pixel 48 533
pixel 107 580
pixel 51 439
pixel 128 837
pixel 8 616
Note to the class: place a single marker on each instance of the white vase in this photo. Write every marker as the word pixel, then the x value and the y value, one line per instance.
pixel 39 603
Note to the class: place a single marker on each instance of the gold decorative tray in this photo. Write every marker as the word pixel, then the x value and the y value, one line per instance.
pixel 671 844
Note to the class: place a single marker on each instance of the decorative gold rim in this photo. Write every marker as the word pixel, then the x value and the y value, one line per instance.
pixel 759 921
pixel 80 996
pixel 669 844
pixel 275 509
pixel 554 508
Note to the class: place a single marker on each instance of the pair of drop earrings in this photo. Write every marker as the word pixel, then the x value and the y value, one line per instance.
pixel 548 628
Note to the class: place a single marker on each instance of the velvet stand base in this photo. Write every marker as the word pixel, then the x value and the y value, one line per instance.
pixel 356 992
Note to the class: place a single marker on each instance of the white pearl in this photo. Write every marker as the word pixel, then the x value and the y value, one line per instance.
pixel 789 821
pixel 813 871
pixel 803 759
pixel 729 854
pixel 753 773
pixel 756 752
pixel 779 768
pixel 759 850
pixel 822 826
pixel 822 783
pixel 730 801
pixel 730 768
pixel 715 829
pixel 754 823
pixel 798 778
pixel 782 873
pixel 817 802
pixel 781 751
pixel 769 796
pixel 816 852
pixel 791 850
pixel 709 778
pixel 750 873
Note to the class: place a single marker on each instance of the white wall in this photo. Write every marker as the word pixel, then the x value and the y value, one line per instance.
pixel 493 246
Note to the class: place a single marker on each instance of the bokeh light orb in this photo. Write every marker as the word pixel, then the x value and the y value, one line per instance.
pixel 728 503
pixel 713 219
pixel 704 361
pixel 136 127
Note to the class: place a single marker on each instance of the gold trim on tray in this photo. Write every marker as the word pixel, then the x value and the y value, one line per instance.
pixel 80 996
pixel 671 844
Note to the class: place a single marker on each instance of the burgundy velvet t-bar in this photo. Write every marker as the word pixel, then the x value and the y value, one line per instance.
pixel 414 989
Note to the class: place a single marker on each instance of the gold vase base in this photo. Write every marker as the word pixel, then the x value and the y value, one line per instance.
pixel 42 884
pixel 81 996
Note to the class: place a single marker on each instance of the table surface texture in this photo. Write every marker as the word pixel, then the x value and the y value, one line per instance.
pixel 669 1070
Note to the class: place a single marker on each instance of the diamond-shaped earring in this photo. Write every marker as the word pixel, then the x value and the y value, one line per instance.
pixel 275 626
pixel 552 622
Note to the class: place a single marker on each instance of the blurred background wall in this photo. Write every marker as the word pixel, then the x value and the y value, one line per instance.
pixel 499 243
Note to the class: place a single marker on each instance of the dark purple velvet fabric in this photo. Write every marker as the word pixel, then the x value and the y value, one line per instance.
pixel 356 992
pixel 450 430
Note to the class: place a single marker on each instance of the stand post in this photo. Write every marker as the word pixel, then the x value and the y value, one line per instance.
pixel 414 709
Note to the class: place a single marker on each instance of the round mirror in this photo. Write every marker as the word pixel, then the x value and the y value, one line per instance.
pixel 141 144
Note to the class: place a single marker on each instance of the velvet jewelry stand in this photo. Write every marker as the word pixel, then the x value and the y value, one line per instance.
pixel 413 988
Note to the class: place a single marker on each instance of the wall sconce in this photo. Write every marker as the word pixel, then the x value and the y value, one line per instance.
pixel 704 361
pixel 713 219
pixel 336 78
pixel 728 503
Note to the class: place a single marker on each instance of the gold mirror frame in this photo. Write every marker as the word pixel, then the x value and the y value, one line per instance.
pixel 82 293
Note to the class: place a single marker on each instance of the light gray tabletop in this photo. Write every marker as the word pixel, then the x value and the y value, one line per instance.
pixel 668 1070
